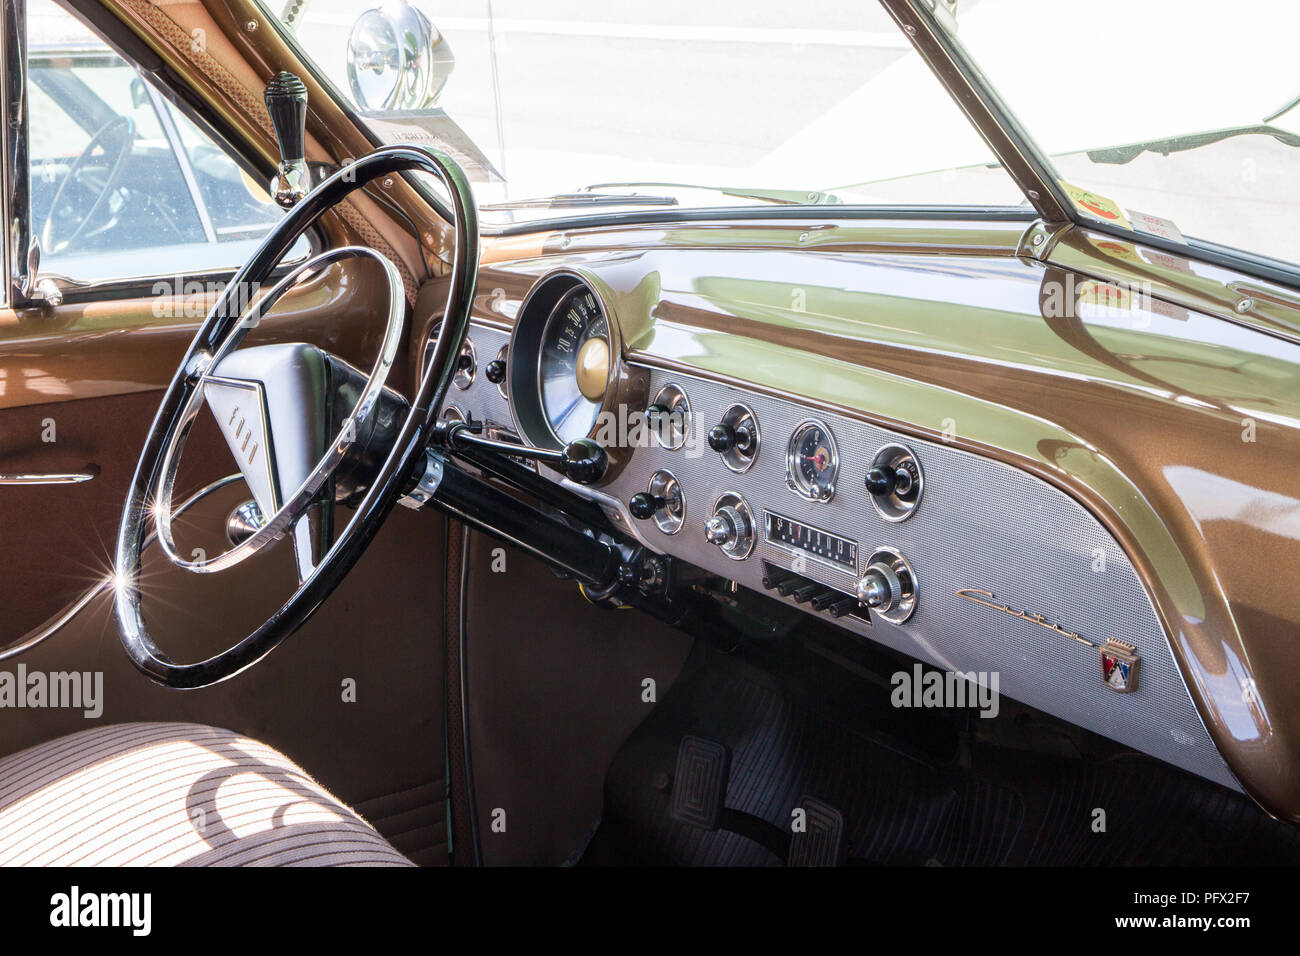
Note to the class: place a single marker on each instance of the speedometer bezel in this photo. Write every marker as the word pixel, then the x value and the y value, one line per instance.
pixel 624 386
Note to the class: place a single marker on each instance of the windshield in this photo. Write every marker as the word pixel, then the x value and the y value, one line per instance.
pixel 570 108
pixel 1174 118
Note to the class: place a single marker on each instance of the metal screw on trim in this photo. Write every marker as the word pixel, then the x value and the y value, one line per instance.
pixel 1033 194
pixel 909 30
pixel 250 26
pixel 1038 239
pixel 388 182
pixel 1245 305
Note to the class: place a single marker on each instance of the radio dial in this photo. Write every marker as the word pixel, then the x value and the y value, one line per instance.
pixel 880 588
pixel 888 586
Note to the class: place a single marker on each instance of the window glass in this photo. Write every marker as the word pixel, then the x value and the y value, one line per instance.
pixel 123 185
pixel 1178 119
pixel 576 107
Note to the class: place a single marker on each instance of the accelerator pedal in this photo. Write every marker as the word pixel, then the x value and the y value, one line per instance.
pixel 821 842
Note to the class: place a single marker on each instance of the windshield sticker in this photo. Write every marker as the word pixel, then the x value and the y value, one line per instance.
pixel 1155 226
pixel 1098 206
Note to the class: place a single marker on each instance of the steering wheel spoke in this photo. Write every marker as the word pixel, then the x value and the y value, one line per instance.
pixel 311 539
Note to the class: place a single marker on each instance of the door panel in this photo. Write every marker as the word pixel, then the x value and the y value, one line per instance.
pixel 90 378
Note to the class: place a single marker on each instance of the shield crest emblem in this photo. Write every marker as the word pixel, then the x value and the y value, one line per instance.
pixel 1119 665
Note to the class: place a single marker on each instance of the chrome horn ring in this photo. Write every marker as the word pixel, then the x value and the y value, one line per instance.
pixel 205 372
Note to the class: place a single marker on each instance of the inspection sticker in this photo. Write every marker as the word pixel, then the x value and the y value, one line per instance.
pixel 1155 226
pixel 1094 205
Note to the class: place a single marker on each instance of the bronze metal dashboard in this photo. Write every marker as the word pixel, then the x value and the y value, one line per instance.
pixel 1099 463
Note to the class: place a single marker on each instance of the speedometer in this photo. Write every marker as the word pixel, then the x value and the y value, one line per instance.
pixel 573 367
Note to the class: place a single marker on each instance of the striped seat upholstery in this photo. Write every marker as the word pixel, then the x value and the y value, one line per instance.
pixel 155 794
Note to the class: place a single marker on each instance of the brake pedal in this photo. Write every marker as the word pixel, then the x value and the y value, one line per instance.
pixel 700 782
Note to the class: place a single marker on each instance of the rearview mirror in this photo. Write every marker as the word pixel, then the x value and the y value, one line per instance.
pixel 397 59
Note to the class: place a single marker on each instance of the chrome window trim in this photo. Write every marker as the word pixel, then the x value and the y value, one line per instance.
pixel 14 179
pixel 168 122
pixel 16 199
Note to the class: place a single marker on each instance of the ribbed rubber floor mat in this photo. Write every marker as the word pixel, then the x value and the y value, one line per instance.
pixel 911 805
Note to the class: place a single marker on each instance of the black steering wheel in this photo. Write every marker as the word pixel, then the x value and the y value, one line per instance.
pixel 291 390
pixel 117 136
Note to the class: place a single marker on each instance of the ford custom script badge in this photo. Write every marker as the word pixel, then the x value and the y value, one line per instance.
pixel 1119 659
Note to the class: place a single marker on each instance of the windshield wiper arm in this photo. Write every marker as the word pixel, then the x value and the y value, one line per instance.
pixel 1176 144
pixel 792 197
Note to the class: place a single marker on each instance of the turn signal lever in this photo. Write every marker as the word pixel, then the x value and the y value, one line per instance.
pixel 582 461
pixel 286 101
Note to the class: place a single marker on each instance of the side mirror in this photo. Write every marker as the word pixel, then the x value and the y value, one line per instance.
pixel 397 59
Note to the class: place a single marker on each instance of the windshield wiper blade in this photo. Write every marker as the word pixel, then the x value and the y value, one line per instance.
pixel 571 200
pixel 1119 155
pixel 791 197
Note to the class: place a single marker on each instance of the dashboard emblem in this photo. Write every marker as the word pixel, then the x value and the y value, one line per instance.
pixel 1119 659
pixel 1119 665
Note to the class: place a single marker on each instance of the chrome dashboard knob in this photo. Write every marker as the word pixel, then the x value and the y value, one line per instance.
pixel 880 588
pixel 888 586
pixel 731 527
pixel 721 528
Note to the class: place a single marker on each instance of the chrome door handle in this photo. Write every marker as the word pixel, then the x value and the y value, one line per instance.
pixel 54 478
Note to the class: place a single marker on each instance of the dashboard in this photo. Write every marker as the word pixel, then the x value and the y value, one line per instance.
pixel 963 561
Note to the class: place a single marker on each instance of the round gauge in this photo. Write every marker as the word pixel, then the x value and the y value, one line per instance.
pixel 812 462
pixel 573 367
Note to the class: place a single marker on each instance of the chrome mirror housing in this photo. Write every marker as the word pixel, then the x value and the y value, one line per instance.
pixel 397 59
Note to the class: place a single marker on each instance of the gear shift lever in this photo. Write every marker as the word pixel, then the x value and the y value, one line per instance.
pixel 286 101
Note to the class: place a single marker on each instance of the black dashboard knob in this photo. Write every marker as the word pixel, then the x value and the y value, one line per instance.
pixel 585 461
pixel 881 481
pixel 722 437
pixel 644 505
pixel 495 372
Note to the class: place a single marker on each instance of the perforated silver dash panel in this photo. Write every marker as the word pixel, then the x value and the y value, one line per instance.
pixel 982 524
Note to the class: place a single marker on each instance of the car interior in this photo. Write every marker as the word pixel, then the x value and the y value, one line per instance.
pixel 352 518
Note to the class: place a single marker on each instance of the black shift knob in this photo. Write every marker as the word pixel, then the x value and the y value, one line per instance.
pixel 584 461
pixel 286 101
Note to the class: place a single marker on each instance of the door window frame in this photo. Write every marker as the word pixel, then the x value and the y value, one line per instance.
pixel 20 246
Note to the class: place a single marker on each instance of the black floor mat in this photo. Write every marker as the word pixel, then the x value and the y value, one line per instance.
pixel 914 788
